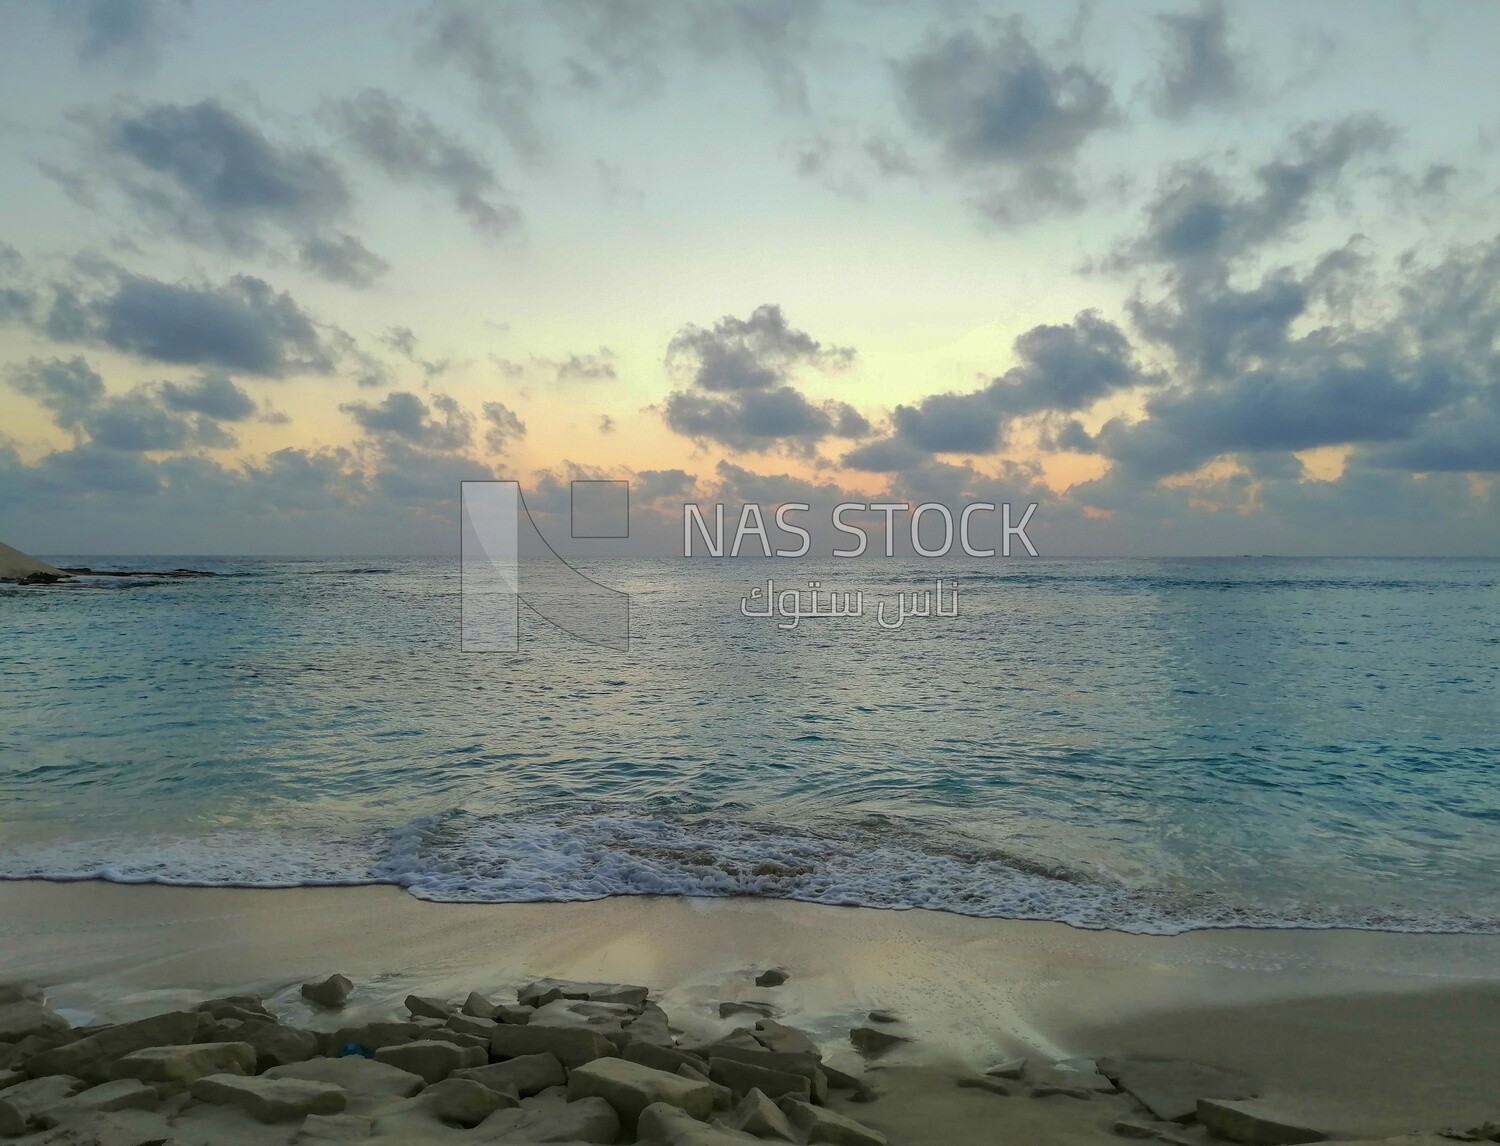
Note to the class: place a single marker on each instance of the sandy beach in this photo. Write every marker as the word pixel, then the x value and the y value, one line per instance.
pixel 1356 1034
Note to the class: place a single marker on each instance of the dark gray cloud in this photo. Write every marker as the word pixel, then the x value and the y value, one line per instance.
pixel 996 104
pixel 408 146
pixel 503 427
pixel 1200 69
pixel 484 44
pixel 404 417
pixel 1059 368
pixel 243 325
pixel 131 31
pixel 341 258
pixel 168 416
pixel 741 393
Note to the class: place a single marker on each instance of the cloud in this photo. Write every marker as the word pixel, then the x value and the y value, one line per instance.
pixel 996 104
pixel 167 416
pixel 741 394
pixel 243 325
pixel 587 367
pixel 1199 70
pixel 408 146
pixel 403 417
pixel 206 175
pixel 467 37
pixel 1059 368
pixel 505 426
pixel 132 31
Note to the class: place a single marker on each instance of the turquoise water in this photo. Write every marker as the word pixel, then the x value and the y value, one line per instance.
pixel 1132 744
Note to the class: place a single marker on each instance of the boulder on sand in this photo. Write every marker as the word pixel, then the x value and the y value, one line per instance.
pixel 1170 1088
pixel 176 1066
pixel 544 991
pixel 1248 1123
pixel 630 1087
pixel 361 1077
pixel 431 1059
pixel 523 1076
pixel 270 1099
pixel 90 1058
pixel 331 992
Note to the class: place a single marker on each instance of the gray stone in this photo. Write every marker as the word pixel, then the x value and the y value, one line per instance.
pixel 1170 1089
pixel 1012 1068
pixel 478 1006
pixel 756 1114
pixel 335 1128
pixel 651 1027
pixel 431 1059
pixel 859 1090
pixel 771 978
pixel 663 1058
pixel 463 1102
pixel 470 1025
pixel 723 1096
pixel 459 1038
pixel 112 1128
pixel 729 1010
pixel 39 1093
pixel 1001 1086
pixel 870 1042
pixel 331 992
pixel 276 1045
pixel 360 1077
pixel 883 1017
pixel 780 1037
pixel 664 1125
pixel 513 1013
pixel 91 1057
pixel 1089 1080
pixel 13 1123
pixel 586 1120
pixel 1249 1123
pixel 373 1036
pixel 20 993
pixel 630 1087
pixel 786 1062
pixel 819 1124
pixel 544 991
pixel 124 1094
pixel 422 1007
pixel 1060 1090
pixel 523 1076
pixel 242 1007
pixel 742 1077
pixel 270 1099
pixel 583 1013
pixel 27 1018
pixel 175 1067
pixel 573 1046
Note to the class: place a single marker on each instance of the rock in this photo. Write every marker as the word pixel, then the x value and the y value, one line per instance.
pixel 1171 1132
pixel 331 992
pixel 276 1045
pixel 859 1090
pixel 124 1094
pixel 20 993
pixel 1002 1086
pixel 742 1077
pixel 246 1008
pixel 883 1017
pixel 1170 1089
pixel 373 1036
pixel 756 1114
pixel 360 1077
pixel 728 1010
pixel 112 1128
pixel 723 1096
pixel 478 1006
pixel 1090 1081
pixel 10 1078
pixel 1246 1122
pixel 335 1128
pixel 469 1025
pixel 513 1013
pixel 13 1123
pixel 1012 1068
pixel 780 1037
pixel 651 1027
pixel 422 1007
pixel 175 1067
pixel 740 1038
pixel 459 1038
pixel 819 1124
pixel 544 991
pixel 90 1058
pixel 771 978
pixel 523 1076
pixel 573 1046
pixel 430 1059
pixel 583 1013
pixel 664 1125
pixel 464 1102
pixel 870 1042
pixel 663 1058
pixel 586 1120
pixel 787 1062
pixel 630 1087
pixel 1060 1090
pixel 28 1018
pixel 34 1095
pixel 270 1099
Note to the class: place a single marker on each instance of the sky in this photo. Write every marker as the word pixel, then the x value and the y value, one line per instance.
pixel 1194 278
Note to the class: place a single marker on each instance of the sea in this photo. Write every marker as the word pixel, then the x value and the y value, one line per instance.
pixel 1148 746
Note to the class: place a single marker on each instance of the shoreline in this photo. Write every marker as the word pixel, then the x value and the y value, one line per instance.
pixel 1369 1033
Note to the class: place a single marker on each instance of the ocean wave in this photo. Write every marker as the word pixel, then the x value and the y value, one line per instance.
pixel 574 856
